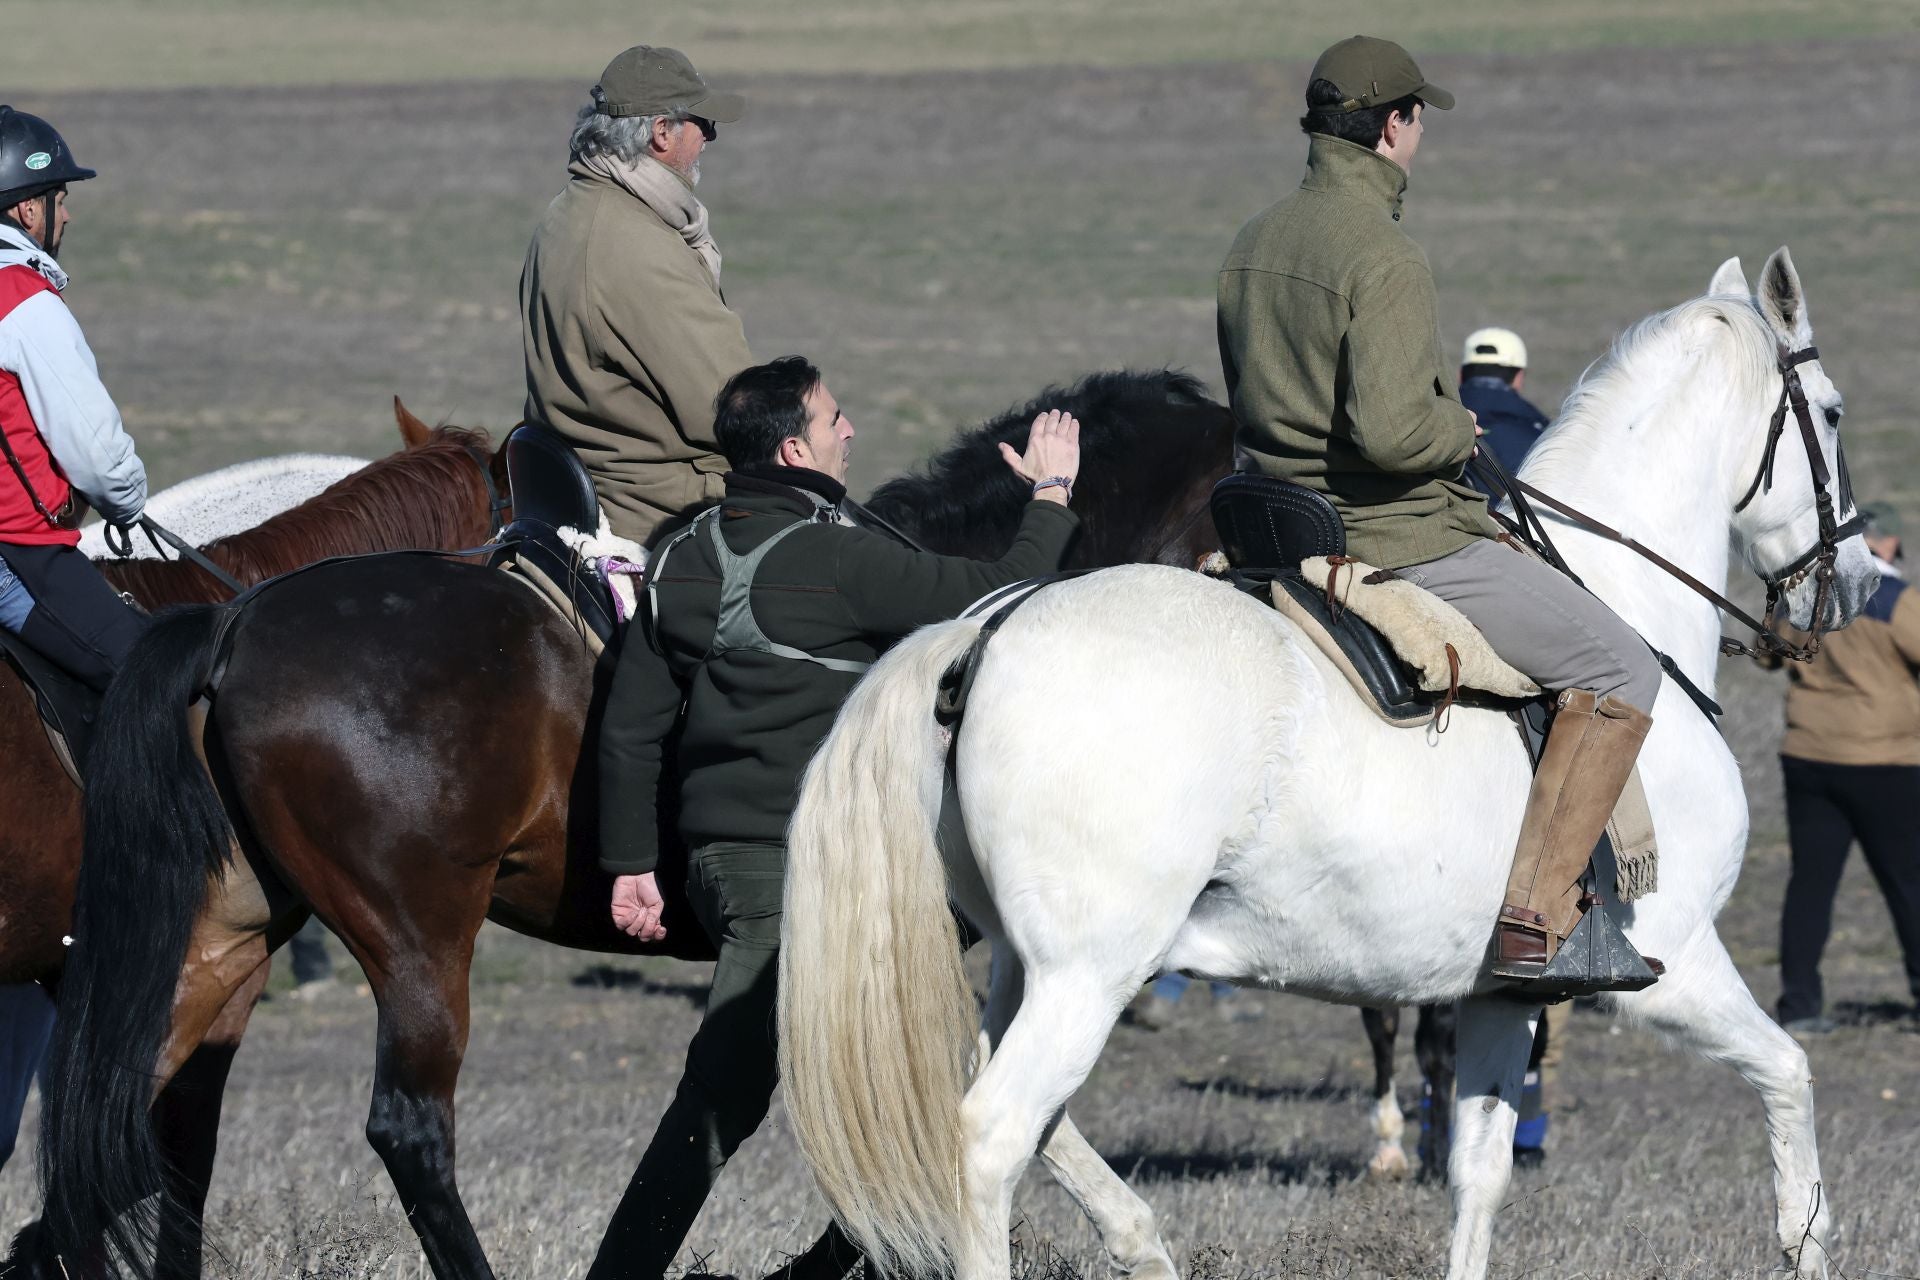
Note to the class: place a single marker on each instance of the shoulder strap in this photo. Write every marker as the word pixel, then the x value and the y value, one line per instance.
pixel 737 628
pixel 656 565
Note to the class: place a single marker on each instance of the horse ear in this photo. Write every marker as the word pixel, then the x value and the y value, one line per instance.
pixel 1781 299
pixel 413 432
pixel 1730 281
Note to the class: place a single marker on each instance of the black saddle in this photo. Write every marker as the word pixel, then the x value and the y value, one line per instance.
pixel 1267 527
pixel 66 706
pixel 552 491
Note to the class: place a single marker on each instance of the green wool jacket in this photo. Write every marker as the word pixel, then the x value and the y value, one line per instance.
pixel 627 342
pixel 753 719
pixel 1330 341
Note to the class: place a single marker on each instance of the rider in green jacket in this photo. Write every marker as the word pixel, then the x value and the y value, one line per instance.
pixel 1329 338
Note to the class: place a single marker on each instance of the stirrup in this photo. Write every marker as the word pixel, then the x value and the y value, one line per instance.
pixel 1596 957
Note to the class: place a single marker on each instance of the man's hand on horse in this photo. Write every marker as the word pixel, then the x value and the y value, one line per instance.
pixel 1053 453
pixel 637 906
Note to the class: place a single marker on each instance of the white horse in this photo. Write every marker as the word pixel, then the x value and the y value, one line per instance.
pixel 229 501
pixel 1156 772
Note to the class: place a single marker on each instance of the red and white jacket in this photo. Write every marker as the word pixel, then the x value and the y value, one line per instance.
pixel 60 422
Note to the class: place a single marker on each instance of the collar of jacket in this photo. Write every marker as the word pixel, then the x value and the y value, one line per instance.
pixel 1345 168
pixel 813 494
pixel 17 249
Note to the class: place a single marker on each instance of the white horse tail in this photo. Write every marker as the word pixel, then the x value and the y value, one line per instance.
pixel 876 1017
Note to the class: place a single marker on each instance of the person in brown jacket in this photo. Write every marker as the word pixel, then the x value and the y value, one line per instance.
pixel 1851 762
pixel 627 335
pixel 1329 340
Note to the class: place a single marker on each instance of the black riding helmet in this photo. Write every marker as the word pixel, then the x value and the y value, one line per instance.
pixel 34 158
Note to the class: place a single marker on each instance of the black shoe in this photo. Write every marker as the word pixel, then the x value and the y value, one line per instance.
pixel 1529 1157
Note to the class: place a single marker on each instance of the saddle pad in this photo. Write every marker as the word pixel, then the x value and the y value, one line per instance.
pixel 67 708
pixel 1421 627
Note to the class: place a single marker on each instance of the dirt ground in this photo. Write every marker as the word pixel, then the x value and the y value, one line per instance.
pixel 260 270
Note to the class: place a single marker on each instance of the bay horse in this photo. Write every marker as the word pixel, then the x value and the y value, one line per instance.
pixel 1217 800
pixel 436 492
pixel 403 746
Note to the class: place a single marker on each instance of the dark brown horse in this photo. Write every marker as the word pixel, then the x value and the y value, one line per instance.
pixel 403 746
pixel 434 493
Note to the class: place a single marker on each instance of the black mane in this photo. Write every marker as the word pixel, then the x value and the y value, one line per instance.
pixel 1152 443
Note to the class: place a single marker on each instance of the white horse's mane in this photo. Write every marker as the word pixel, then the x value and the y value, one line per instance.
pixel 1657 364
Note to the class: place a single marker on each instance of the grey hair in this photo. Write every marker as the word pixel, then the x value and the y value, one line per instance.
pixel 622 137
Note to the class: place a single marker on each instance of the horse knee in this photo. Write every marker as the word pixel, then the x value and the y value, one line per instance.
pixel 413 1137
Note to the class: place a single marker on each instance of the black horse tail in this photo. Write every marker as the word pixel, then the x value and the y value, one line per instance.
pixel 156 833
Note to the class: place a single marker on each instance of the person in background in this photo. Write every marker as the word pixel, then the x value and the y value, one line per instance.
pixel 1493 369
pixel 1155 1013
pixel 1851 763
pixel 312 966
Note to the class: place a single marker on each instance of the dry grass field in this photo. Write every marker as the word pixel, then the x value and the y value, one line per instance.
pixel 305 209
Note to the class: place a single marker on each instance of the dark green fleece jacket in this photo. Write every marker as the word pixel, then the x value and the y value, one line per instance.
pixel 1330 342
pixel 753 719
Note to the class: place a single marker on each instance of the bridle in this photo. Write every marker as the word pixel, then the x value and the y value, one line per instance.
pixel 497 504
pixel 1818 560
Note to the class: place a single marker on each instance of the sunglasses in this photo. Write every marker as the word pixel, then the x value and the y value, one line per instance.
pixel 708 129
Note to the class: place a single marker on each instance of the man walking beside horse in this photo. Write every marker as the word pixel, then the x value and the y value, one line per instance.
pixel 1329 339
pixel 759 618
pixel 626 333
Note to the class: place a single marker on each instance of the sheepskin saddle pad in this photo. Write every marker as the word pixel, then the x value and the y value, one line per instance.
pixel 1408 653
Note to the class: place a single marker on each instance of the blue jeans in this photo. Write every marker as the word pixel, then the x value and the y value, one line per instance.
pixel 26 1022
pixel 1171 986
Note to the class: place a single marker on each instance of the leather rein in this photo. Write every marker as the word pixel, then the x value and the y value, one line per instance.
pixel 1817 560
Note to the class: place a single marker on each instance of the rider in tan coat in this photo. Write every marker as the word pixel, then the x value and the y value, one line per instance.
pixel 627 335
pixel 1329 337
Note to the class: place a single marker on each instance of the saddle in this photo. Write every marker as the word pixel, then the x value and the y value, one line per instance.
pixel 67 707
pixel 554 508
pixel 1406 652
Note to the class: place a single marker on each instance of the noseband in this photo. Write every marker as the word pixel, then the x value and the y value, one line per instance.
pixel 1817 559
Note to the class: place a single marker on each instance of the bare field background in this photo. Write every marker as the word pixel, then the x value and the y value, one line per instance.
pixel 950 207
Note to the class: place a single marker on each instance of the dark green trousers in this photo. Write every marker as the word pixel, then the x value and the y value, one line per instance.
pixel 732 1064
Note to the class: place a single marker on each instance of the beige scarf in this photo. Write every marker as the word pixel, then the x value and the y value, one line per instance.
pixel 667 194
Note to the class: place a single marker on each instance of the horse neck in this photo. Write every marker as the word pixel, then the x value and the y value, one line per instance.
pixel 1656 469
pixel 431 497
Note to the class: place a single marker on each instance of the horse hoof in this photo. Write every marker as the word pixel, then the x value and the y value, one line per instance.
pixel 1389 1164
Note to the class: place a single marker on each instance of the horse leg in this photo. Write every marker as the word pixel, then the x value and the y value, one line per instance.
pixel 1383 1029
pixel 1494 1038
pixel 1052 1043
pixel 186 1117
pixel 1433 1042
pixel 1123 1220
pixel 1704 1005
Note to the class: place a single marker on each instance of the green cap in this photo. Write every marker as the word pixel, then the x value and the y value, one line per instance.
pixel 1369 71
pixel 645 81
pixel 1882 518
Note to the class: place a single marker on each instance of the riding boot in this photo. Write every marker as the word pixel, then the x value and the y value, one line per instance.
pixel 1590 749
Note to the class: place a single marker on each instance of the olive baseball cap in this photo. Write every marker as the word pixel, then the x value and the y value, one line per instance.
pixel 1369 71
pixel 648 81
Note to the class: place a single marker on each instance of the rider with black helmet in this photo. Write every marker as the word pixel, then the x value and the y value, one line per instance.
pixel 62 445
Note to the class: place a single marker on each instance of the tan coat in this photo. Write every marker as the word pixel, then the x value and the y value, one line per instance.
pixel 1858 702
pixel 627 341
pixel 1330 342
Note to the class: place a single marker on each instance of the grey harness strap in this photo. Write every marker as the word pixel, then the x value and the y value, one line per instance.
pixel 736 627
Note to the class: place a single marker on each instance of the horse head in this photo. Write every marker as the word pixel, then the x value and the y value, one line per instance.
pixel 1795 519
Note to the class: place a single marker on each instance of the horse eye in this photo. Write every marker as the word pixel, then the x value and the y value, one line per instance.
pixel 1833 416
